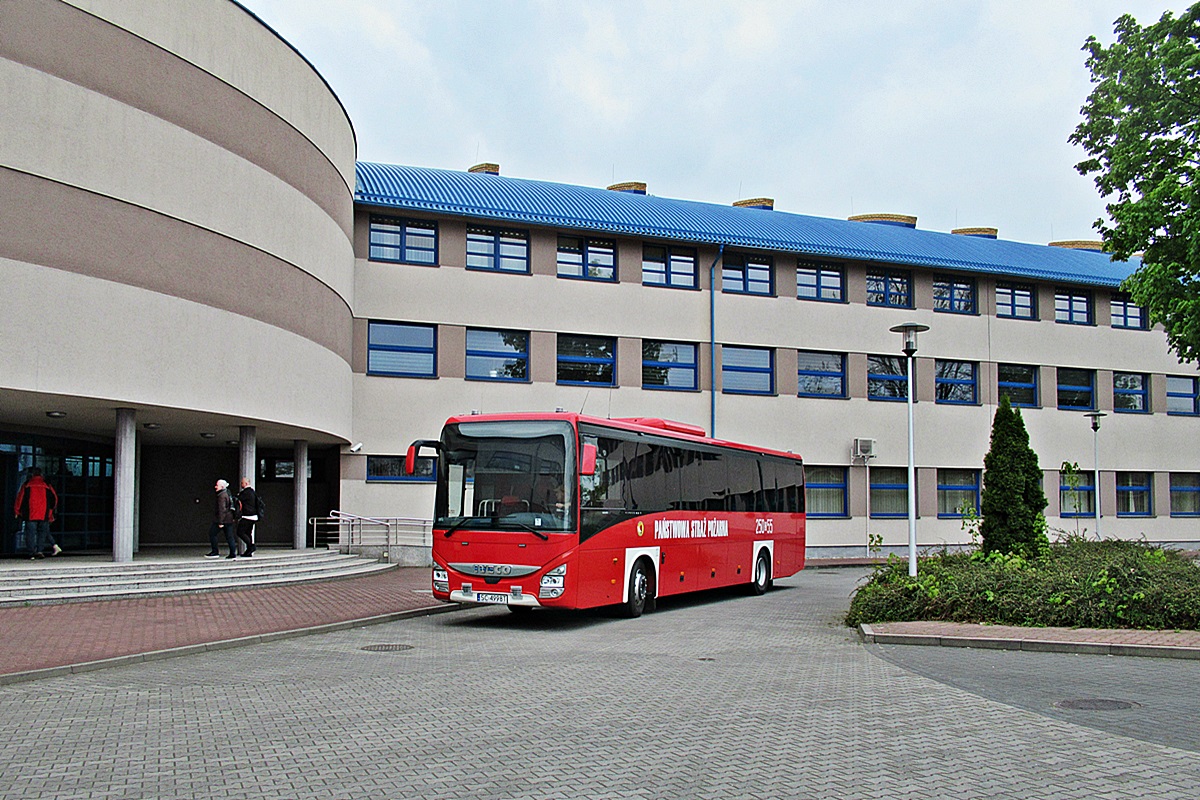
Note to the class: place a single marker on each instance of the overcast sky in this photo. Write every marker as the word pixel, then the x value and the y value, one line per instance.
pixel 956 111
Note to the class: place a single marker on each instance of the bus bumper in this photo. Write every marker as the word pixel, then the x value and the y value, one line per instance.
pixel 494 599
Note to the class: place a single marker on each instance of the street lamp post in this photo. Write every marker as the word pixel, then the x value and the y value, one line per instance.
pixel 908 331
pixel 1095 416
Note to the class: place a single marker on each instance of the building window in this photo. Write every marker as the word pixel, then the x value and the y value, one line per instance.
pixel 816 281
pixel 407 351
pixel 825 492
pixel 887 378
pixel 956 382
pixel 589 259
pixel 889 288
pixel 1133 494
pixel 587 360
pixel 1182 396
pixel 1076 389
pixel 404 241
pixel 821 374
pixel 669 365
pixel 390 469
pixel 954 295
pixel 1016 300
pixel 1020 383
pixel 669 266
pixel 889 492
pixel 1077 494
pixel 1126 313
pixel 1072 307
pixel 747 274
pixel 497 250
pixel 747 370
pixel 1131 392
pixel 497 355
pixel 1185 494
pixel 957 489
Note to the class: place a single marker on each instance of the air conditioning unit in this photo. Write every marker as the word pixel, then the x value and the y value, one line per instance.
pixel 863 448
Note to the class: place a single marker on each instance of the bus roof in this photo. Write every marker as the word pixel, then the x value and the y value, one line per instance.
pixel 653 425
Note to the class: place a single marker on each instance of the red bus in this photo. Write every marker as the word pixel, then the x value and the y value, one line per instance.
pixel 568 511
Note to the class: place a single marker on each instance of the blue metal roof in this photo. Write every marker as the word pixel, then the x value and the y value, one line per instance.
pixel 559 205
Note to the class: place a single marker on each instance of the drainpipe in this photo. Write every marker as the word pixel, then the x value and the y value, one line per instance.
pixel 712 343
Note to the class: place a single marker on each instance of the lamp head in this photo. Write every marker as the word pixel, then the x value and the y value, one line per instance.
pixel 908 331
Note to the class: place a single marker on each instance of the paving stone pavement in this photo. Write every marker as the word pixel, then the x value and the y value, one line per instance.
pixel 717 696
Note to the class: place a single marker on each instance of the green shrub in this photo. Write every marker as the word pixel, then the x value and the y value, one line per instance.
pixel 1074 583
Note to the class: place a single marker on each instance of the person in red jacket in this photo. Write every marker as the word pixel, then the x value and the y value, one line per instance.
pixel 35 506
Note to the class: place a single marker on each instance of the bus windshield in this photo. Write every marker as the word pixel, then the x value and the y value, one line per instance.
pixel 506 475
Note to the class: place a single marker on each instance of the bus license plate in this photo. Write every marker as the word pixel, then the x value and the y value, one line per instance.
pixel 491 597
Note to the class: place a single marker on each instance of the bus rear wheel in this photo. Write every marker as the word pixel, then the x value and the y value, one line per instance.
pixel 639 591
pixel 762 574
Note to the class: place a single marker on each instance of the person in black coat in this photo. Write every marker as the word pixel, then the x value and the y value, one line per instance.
pixel 245 525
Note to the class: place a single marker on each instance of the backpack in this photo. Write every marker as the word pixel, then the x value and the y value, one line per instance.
pixel 234 506
pixel 260 507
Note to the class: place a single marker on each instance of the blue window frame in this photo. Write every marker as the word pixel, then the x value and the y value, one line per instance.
pixel 1020 383
pixel 747 370
pixel 1078 501
pixel 957 489
pixel 587 360
pixel 402 241
pixel 401 350
pixel 390 469
pixel 1131 393
pixel 889 492
pixel 1126 313
pixel 821 374
pixel 670 266
pixel 889 287
pixel 825 492
pixel 1185 494
pixel 818 281
pixel 956 382
pixel 1016 301
pixel 496 355
pixel 1073 307
pixel 587 259
pixel 1135 494
pixel 670 365
pixel 1076 389
pixel 1183 399
pixel 497 250
pixel 954 295
pixel 747 274
pixel 887 378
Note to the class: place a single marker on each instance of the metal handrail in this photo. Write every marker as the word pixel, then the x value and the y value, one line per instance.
pixel 356 531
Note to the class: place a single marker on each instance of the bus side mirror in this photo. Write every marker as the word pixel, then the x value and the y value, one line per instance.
pixel 410 460
pixel 587 462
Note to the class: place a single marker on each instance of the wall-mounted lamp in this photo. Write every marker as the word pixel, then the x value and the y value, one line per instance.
pixel 56 414
pixel 207 435
pixel 151 426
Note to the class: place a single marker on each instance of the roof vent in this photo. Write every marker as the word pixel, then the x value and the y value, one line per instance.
pixel 1081 244
pixel 485 169
pixel 980 233
pixel 766 203
pixel 631 187
pixel 899 220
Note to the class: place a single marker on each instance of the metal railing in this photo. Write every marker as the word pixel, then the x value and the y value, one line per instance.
pixel 352 533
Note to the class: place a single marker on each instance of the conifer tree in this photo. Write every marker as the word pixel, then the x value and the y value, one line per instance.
pixel 1013 501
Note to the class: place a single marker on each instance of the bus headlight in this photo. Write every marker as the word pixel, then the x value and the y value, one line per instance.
pixel 553 582
pixel 441 581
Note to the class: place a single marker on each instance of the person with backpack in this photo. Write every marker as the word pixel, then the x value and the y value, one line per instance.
pixel 252 509
pixel 35 507
pixel 225 519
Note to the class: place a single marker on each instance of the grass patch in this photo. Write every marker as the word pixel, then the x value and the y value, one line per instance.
pixel 1074 584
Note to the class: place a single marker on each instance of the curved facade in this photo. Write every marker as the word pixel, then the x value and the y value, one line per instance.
pixel 176 238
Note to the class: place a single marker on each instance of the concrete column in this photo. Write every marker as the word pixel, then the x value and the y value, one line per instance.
pixel 247 456
pixel 300 495
pixel 124 462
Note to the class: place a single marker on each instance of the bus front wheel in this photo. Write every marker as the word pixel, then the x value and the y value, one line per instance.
pixel 762 573
pixel 640 596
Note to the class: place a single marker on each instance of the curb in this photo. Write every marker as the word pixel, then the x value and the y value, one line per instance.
pixel 223 644
pixel 868 635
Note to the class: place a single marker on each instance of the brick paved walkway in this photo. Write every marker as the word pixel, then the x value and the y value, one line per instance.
pixel 40 637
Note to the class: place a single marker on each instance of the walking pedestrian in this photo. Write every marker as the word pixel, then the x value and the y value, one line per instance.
pixel 224 520
pixel 35 507
pixel 248 499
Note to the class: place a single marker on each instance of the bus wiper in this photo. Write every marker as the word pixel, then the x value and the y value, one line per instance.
pixel 529 528
pixel 447 533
